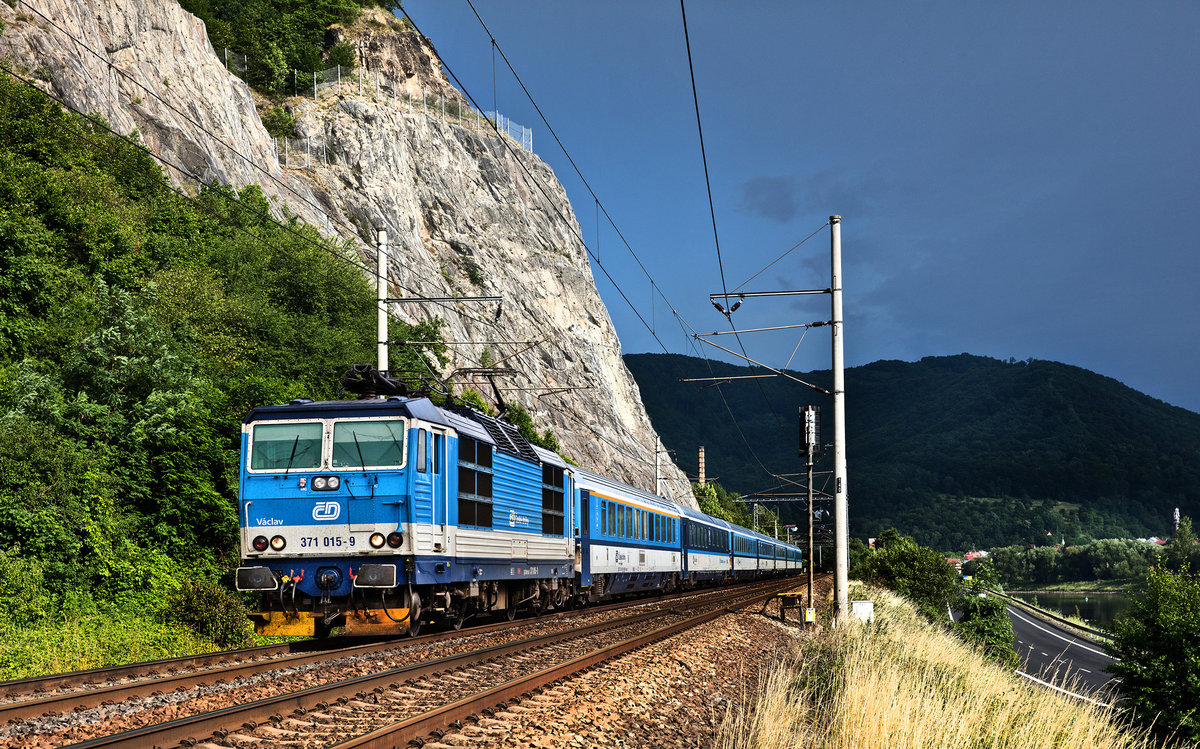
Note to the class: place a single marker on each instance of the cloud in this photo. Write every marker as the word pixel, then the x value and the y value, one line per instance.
pixel 776 198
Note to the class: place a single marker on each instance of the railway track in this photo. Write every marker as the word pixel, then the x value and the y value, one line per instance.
pixel 327 694
pixel 82 690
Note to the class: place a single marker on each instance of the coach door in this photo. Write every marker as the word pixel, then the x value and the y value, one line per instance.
pixel 439 486
pixel 583 535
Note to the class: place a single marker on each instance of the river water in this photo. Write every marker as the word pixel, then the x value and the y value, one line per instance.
pixel 1097 609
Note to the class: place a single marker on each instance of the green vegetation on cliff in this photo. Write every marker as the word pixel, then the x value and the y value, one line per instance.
pixel 137 328
pixel 279 36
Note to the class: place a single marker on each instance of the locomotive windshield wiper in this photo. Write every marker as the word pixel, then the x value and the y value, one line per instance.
pixel 362 462
pixel 291 457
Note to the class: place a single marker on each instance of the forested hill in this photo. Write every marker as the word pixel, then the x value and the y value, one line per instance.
pixel 958 451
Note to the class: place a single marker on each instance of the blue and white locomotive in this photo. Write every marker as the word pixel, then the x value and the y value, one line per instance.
pixel 377 515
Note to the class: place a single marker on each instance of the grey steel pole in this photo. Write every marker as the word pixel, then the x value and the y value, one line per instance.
pixel 841 519
pixel 381 292
pixel 810 531
pixel 657 465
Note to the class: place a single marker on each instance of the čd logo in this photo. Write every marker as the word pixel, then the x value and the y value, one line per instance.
pixel 327 511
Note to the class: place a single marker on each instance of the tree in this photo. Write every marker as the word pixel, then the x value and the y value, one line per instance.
pixel 921 574
pixel 1178 554
pixel 983 619
pixel 1158 643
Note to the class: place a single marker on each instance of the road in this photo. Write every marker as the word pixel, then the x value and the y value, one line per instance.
pixel 1051 654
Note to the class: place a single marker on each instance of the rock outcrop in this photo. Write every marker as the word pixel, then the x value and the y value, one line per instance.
pixel 468 212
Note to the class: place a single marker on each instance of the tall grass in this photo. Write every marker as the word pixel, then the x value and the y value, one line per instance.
pixel 901 682
pixel 79 641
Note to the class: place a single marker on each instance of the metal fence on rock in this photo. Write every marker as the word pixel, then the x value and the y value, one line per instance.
pixel 343 81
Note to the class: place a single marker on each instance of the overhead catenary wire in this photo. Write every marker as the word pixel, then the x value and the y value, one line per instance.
pixel 285 227
pixel 817 231
pixel 600 206
pixel 253 163
pixel 301 236
pixel 334 220
pixel 712 208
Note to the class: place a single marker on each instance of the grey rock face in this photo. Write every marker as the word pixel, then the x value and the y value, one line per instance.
pixel 467 213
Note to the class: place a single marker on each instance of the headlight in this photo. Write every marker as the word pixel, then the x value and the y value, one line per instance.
pixel 394 539
pixel 334 482
pixel 259 543
pixel 319 483
pixel 326 483
pixel 278 542
pixel 377 540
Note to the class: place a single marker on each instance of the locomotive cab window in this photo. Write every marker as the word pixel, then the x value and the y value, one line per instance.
pixel 474 483
pixel 368 444
pixel 280 447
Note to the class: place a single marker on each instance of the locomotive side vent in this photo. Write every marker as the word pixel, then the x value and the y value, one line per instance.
pixel 507 437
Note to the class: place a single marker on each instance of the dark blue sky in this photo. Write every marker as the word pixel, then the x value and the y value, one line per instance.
pixel 1015 179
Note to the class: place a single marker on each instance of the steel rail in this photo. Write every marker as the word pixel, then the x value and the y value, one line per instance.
pixel 422 725
pixel 34 684
pixel 159 676
pixel 198 727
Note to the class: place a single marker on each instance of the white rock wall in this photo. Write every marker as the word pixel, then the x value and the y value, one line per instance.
pixel 466 215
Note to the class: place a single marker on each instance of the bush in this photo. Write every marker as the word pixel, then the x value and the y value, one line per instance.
pixel 1158 642
pixel 343 54
pixel 23 593
pixel 984 621
pixel 279 122
pixel 212 612
pixel 921 574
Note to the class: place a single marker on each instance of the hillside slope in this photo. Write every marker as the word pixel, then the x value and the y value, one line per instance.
pixel 959 451
pixel 467 213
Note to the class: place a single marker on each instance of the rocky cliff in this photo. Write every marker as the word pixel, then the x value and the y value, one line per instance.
pixel 468 212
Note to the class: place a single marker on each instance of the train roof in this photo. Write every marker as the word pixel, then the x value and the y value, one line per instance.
pixel 502 435
pixel 592 481
pixel 465 421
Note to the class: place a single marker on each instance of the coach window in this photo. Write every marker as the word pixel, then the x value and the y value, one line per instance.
pixel 278 447
pixel 552 500
pixel 474 483
pixel 612 518
pixel 422 452
pixel 359 444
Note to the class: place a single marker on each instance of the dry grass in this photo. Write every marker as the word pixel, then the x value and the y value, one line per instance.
pixel 901 682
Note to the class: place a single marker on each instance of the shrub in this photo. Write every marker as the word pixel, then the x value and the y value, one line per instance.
pixel 279 122
pixel 23 593
pixel 212 612
pixel 343 54
pixel 1158 642
pixel 920 573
